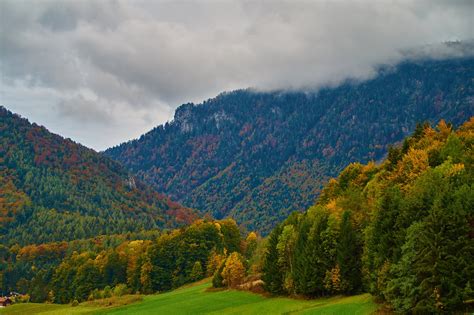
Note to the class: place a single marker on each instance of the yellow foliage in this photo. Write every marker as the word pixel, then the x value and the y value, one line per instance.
pixel 251 237
pixel 214 262
pixel 333 281
pixel 444 129
pixel 334 209
pixel 413 164
pixel 234 271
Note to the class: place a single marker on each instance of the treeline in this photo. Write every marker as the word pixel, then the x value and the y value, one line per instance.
pixel 138 263
pixel 402 230
pixel 53 189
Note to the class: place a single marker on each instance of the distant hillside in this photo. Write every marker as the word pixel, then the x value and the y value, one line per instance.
pixel 54 189
pixel 259 156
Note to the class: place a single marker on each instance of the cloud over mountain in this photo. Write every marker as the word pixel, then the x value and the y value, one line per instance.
pixel 120 67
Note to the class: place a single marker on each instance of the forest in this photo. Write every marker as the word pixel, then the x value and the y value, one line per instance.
pixel 53 189
pixel 148 262
pixel 258 156
pixel 401 230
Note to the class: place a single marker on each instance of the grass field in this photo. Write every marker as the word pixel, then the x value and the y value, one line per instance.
pixel 195 300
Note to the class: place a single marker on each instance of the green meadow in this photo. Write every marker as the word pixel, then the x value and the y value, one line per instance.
pixel 196 300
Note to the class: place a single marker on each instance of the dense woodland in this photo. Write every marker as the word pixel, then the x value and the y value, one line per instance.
pixel 259 156
pixel 53 189
pixel 144 262
pixel 402 230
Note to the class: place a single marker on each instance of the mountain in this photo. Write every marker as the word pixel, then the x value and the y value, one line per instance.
pixel 258 156
pixel 53 189
pixel 402 230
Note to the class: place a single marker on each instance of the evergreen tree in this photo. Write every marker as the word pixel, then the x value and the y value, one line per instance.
pixel 349 256
pixel 272 275
pixel 302 273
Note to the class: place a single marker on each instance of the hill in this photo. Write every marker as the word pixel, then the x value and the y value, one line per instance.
pixel 402 230
pixel 259 156
pixel 53 189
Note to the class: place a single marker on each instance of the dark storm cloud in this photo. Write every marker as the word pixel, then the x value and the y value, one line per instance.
pixel 124 65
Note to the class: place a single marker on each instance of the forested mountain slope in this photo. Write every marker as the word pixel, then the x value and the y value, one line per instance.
pixel 402 230
pixel 259 156
pixel 54 189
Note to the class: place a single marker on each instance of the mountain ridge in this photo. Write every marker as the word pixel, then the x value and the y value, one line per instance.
pixel 258 156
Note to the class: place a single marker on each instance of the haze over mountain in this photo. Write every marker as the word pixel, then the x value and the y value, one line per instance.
pixel 53 189
pixel 258 156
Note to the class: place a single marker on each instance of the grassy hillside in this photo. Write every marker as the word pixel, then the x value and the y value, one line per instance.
pixel 195 300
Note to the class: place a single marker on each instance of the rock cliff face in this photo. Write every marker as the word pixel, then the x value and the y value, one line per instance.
pixel 259 156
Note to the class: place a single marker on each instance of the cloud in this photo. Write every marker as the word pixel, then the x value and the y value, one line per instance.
pixel 127 64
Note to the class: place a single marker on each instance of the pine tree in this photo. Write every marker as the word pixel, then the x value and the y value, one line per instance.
pixel 272 275
pixel 349 256
pixel 302 272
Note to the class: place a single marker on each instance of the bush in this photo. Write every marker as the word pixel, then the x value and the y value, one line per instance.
pixel 75 303
pixel 120 290
pixel 107 292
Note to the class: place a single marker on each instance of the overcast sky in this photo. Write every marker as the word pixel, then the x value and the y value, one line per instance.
pixel 102 72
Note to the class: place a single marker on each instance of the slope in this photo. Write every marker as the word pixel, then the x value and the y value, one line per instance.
pixel 54 189
pixel 259 156
pixel 195 300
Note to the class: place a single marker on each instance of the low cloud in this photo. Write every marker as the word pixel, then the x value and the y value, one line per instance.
pixel 128 64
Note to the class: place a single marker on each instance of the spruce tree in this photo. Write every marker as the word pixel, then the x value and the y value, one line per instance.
pixel 348 256
pixel 272 276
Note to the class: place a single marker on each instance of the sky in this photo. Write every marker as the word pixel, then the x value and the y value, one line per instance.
pixel 103 72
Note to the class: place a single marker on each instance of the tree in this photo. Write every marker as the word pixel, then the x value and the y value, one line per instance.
pixel 218 279
pixel 285 248
pixel 250 244
pixel 88 278
pixel 145 278
pixel 272 276
pixel 234 270
pixel 349 256
pixel 197 272
pixel 303 269
pixel 231 235
pixel 333 282
pixel 215 260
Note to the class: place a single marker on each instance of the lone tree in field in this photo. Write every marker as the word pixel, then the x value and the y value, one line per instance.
pixel 234 270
